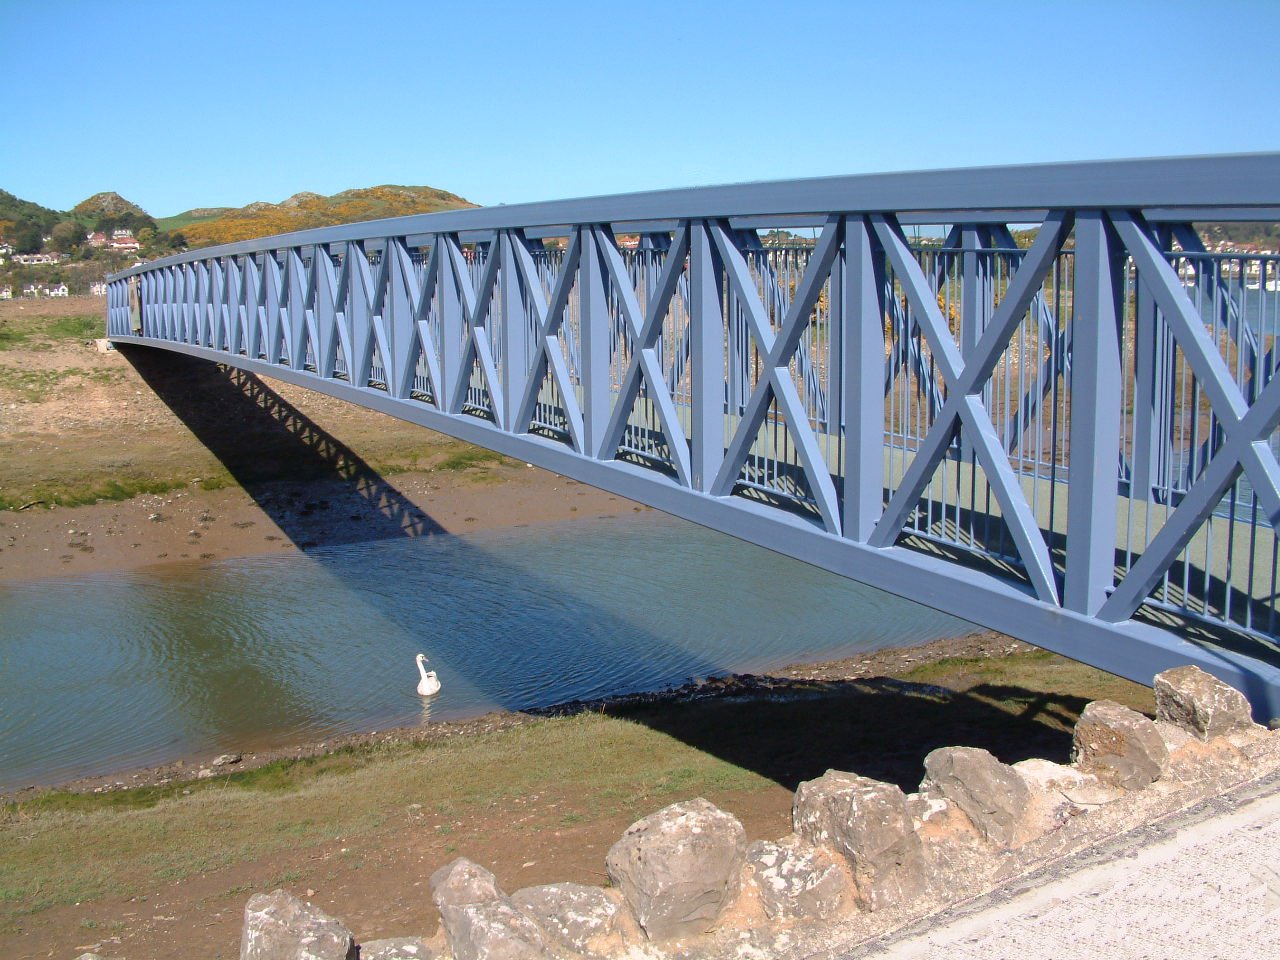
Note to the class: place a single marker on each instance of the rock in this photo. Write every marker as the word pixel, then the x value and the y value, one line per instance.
pixel 204 774
pixel 279 926
pixel 493 930
pixel 1210 767
pixel 990 793
pixel 1119 746
pixel 479 920
pixel 679 868
pixel 796 880
pixel 574 916
pixel 1068 783
pixel 1200 703
pixel 462 882
pixel 397 948
pixel 1174 736
pixel 867 821
pixel 227 759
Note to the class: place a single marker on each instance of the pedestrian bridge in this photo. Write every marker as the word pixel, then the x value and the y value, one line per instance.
pixel 1041 398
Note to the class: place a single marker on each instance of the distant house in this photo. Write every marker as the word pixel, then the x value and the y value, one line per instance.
pixel 57 290
pixel 36 259
pixel 30 291
pixel 98 288
pixel 96 239
pixel 124 240
pixel 6 293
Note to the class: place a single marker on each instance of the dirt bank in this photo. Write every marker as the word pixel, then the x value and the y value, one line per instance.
pixel 111 461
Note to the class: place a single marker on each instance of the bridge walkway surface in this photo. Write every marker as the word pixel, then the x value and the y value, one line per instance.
pixel 1201 885
pixel 1039 398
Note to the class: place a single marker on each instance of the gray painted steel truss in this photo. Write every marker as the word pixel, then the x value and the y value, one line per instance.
pixel 1029 396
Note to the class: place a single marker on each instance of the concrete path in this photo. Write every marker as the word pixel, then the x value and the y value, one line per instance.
pixel 1202 887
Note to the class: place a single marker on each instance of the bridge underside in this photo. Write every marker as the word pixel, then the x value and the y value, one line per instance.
pixel 1052 416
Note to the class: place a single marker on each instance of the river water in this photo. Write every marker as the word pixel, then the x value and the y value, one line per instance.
pixel 116 671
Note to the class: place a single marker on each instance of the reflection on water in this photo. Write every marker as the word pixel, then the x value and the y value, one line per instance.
pixel 112 671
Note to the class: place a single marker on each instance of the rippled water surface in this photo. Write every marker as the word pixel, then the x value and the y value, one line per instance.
pixel 112 671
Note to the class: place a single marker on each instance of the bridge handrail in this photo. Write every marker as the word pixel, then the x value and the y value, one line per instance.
pixel 1177 189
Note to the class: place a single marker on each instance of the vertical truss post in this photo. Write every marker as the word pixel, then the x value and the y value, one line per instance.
pixel 594 323
pixel 861 298
pixel 296 297
pixel 706 348
pixel 1095 417
pixel 975 300
pixel 399 320
pixel 451 326
pixel 515 331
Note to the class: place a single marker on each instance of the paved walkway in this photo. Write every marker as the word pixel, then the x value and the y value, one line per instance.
pixel 1203 890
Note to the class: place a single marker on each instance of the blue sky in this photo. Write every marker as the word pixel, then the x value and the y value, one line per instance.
pixel 181 104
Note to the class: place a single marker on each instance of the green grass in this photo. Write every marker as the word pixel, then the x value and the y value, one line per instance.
pixel 18 333
pixel 471 457
pixel 59 847
pixel 124 488
pixel 35 386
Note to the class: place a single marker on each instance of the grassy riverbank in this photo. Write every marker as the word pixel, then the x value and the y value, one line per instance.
pixel 538 800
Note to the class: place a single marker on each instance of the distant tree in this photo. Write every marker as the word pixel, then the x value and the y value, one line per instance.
pixel 27 237
pixel 66 236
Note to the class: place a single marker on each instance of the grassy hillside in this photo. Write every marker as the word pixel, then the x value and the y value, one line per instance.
pixel 23 223
pixel 199 215
pixel 305 210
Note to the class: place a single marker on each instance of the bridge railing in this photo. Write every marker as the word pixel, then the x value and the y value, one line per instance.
pixel 1034 383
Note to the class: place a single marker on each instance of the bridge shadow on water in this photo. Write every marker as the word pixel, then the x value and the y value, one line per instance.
pixel 790 731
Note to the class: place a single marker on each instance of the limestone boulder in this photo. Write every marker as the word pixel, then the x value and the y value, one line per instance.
pixel 585 920
pixel 1200 703
pixel 462 882
pixel 397 948
pixel 494 930
pixel 990 793
pixel 679 868
pixel 480 922
pixel 868 822
pixel 1119 746
pixel 1062 784
pixel 795 880
pixel 279 926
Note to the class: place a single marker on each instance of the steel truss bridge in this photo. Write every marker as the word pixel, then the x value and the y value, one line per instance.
pixel 1038 397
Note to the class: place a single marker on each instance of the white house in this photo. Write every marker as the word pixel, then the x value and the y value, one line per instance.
pixel 30 291
pixel 98 288
pixel 6 293
pixel 58 290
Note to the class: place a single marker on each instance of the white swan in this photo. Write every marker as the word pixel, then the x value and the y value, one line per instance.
pixel 429 685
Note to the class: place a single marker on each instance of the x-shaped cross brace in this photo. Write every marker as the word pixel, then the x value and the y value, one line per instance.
pixel 964 379
pixel 1245 429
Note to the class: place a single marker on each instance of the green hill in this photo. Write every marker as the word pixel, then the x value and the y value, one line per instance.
pixel 199 215
pixel 23 223
pixel 107 206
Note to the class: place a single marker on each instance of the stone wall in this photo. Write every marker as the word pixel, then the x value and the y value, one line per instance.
pixel 863 857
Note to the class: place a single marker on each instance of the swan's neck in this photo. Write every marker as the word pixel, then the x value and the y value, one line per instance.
pixel 422 669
